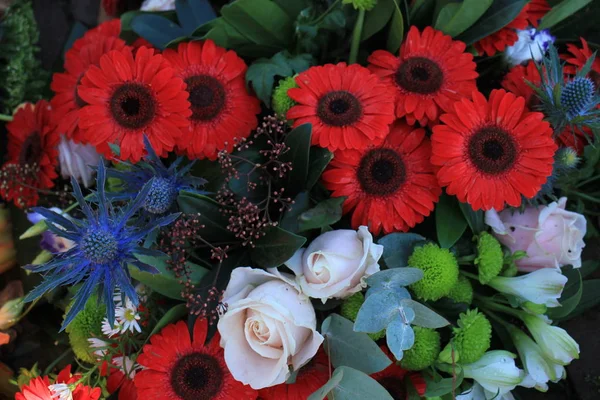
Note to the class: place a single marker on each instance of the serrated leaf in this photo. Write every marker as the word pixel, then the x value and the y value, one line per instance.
pixel 449 221
pixel 399 337
pixel 325 213
pixel 424 316
pixel 397 247
pixel 500 14
pixel 276 247
pixel 349 348
pixel 455 18
pixel 561 11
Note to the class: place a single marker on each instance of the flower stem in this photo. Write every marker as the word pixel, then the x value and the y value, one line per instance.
pixel 7 118
pixel 356 35
pixel 322 16
pixel 486 303
pixel 56 361
pixel 584 196
pixel 466 259
pixel 470 275
pixel 580 184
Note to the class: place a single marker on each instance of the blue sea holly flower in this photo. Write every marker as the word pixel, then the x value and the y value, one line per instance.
pixel 166 182
pixel 105 243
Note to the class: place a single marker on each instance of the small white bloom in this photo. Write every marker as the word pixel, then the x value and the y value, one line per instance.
pixel 158 5
pixel 538 370
pixel 110 330
pixel 543 286
pixel 61 391
pixel 477 392
pixel 100 346
pixel 532 44
pixel 496 371
pixel 555 342
pixel 75 160
pixel 127 317
pixel 127 366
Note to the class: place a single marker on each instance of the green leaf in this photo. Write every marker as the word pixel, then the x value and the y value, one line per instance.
pixel 298 140
pixel 353 349
pixel 475 219
pixel 588 267
pixel 289 222
pixel 394 278
pixel 377 18
pixel 77 31
pixel 329 386
pixel 210 216
pixel 589 298
pixel 319 158
pixel 156 29
pixel 399 337
pixel 397 247
pixel 436 388
pixel 570 298
pixel 357 385
pixel 561 11
pixel 261 21
pixel 276 247
pixel 455 18
pixel 420 12
pixel 449 221
pixel 292 8
pixel 396 33
pixel 424 316
pixel 500 14
pixel 380 309
pixel 165 282
pixel 174 314
pixel 193 13
pixel 325 213
pixel 261 74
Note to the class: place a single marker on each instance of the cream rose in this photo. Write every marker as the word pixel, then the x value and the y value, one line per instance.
pixel 336 263
pixel 269 328
pixel 551 235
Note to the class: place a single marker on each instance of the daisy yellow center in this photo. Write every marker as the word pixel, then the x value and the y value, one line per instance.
pixel 129 315
pixel 207 96
pixel 492 150
pixel 381 172
pixel 339 108
pixel 420 75
pixel 132 105
pixel 31 150
pixel 197 376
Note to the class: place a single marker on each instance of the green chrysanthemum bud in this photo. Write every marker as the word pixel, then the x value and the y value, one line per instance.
pixel 440 271
pixel 281 101
pixel 490 258
pixel 577 96
pixel 350 308
pixel 361 4
pixel 462 292
pixel 87 324
pixel 567 158
pixel 472 337
pixel 424 351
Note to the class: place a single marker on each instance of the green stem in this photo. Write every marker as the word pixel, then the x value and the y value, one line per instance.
pixel 584 196
pixel 470 275
pixel 7 118
pixel 356 35
pixel 322 16
pixel 56 361
pixel 595 178
pixel 466 259
pixel 486 303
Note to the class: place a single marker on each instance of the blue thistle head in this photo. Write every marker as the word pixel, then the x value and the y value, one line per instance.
pixel 106 241
pixel 577 96
pixel 166 184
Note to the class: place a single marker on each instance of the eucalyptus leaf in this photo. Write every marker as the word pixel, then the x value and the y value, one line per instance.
pixel 324 390
pixel 349 348
pixel 377 311
pixel 424 316
pixel 399 337
pixel 325 213
pixel 449 221
pixel 393 279
pixel 397 248
pixel 276 247
pixel 358 385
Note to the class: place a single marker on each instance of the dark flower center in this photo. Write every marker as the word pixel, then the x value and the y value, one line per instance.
pixel 197 376
pixel 78 100
pixel 381 172
pixel 99 246
pixel 207 96
pixel 339 108
pixel 31 151
pixel 420 75
pixel 394 386
pixel 492 150
pixel 132 105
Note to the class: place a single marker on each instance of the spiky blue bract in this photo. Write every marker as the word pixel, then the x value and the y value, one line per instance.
pixel 106 242
pixel 166 185
pixel 576 96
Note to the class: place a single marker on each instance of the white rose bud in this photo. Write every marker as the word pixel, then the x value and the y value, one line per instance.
pixel 336 264
pixel 269 328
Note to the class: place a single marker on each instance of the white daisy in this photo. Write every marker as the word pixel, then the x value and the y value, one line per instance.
pixel 127 366
pixel 109 330
pixel 100 346
pixel 61 391
pixel 127 317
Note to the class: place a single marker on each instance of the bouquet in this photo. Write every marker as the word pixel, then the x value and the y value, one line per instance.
pixel 309 199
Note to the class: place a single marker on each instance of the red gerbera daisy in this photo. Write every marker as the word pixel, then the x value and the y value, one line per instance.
pixel 537 10
pixel 222 109
pixel 493 152
pixel 129 97
pixel 506 36
pixel 348 107
pixel 309 379
pixel 393 379
pixel 179 367
pixel 40 388
pixel 32 155
pixel 431 73
pixel 391 186
pixel 516 82
pixel 111 28
pixel 66 103
pixel 577 59
pixel 120 377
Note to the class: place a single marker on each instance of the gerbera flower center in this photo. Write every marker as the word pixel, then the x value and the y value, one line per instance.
pixel 381 172
pixel 31 150
pixel 339 108
pixel 394 386
pixel 420 75
pixel 492 150
pixel 197 376
pixel 99 246
pixel 132 105
pixel 207 96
